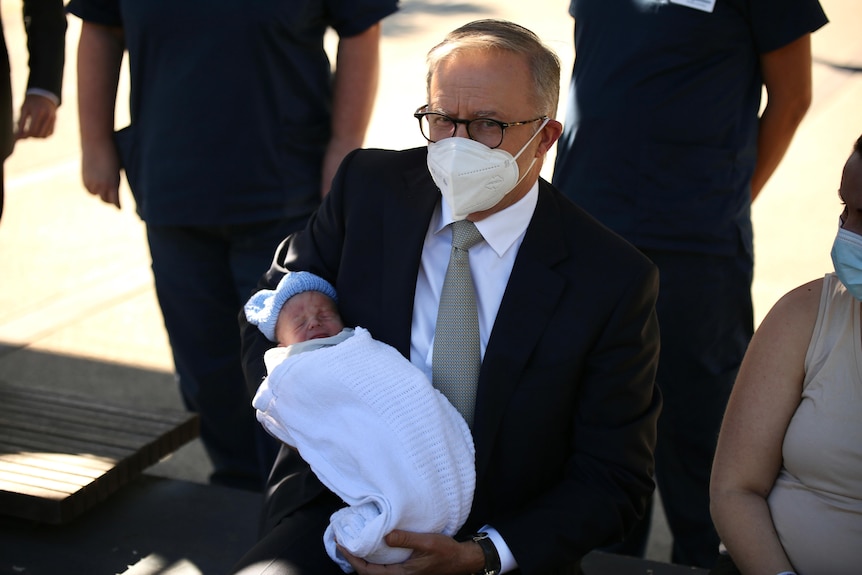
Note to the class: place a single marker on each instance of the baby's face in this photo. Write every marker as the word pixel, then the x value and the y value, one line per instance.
pixel 307 315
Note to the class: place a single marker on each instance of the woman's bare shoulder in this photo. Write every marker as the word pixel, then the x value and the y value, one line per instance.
pixel 796 310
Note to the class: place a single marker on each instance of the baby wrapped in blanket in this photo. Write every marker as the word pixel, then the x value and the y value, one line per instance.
pixel 368 422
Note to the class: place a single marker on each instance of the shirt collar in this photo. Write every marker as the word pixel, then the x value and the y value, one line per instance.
pixel 499 230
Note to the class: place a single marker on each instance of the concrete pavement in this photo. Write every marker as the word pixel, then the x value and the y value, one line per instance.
pixel 77 305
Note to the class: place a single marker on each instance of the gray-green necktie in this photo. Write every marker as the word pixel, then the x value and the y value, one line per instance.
pixel 457 357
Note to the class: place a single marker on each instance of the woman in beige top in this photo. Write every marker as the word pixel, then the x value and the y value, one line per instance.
pixel 786 488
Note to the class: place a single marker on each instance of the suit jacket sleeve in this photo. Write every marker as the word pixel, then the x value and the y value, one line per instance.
pixel 45 23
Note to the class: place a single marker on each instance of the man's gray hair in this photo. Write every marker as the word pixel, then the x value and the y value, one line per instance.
pixel 503 35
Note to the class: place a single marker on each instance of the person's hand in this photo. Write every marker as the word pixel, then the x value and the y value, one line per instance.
pixel 100 171
pixel 37 118
pixel 432 555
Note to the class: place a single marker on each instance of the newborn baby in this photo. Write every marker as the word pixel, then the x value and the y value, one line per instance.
pixel 302 308
pixel 367 421
pixel 307 315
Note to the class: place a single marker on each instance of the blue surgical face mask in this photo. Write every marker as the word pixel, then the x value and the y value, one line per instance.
pixel 847 259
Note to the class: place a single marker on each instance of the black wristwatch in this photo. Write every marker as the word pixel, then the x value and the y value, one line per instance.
pixel 492 558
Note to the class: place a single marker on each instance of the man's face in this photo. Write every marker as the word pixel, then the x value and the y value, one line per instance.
pixel 494 84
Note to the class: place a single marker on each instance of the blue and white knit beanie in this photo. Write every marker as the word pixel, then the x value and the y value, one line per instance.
pixel 263 307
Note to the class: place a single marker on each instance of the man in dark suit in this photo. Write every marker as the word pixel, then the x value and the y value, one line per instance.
pixel 45 24
pixel 565 406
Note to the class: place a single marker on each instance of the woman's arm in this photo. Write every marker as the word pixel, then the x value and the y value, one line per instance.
pixel 749 453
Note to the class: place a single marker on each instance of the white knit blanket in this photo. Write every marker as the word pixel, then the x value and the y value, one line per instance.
pixel 378 435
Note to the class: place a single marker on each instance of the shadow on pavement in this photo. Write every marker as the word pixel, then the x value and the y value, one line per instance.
pixel 112 382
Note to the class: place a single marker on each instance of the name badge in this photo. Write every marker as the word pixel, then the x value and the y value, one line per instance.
pixel 702 5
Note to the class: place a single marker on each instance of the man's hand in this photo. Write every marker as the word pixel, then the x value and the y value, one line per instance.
pixel 100 171
pixel 432 555
pixel 37 119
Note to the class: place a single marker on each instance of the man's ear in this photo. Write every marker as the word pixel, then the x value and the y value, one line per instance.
pixel 550 134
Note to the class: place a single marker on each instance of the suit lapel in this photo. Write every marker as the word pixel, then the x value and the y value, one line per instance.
pixel 528 303
pixel 406 222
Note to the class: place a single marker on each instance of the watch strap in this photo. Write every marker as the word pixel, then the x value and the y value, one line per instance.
pixel 492 558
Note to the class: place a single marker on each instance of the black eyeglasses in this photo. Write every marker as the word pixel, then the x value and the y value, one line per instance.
pixel 436 126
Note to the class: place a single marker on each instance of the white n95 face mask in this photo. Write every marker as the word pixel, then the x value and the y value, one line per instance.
pixel 847 259
pixel 473 177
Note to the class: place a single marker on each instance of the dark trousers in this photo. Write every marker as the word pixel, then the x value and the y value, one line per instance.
pixel 295 545
pixel 203 276
pixel 706 321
